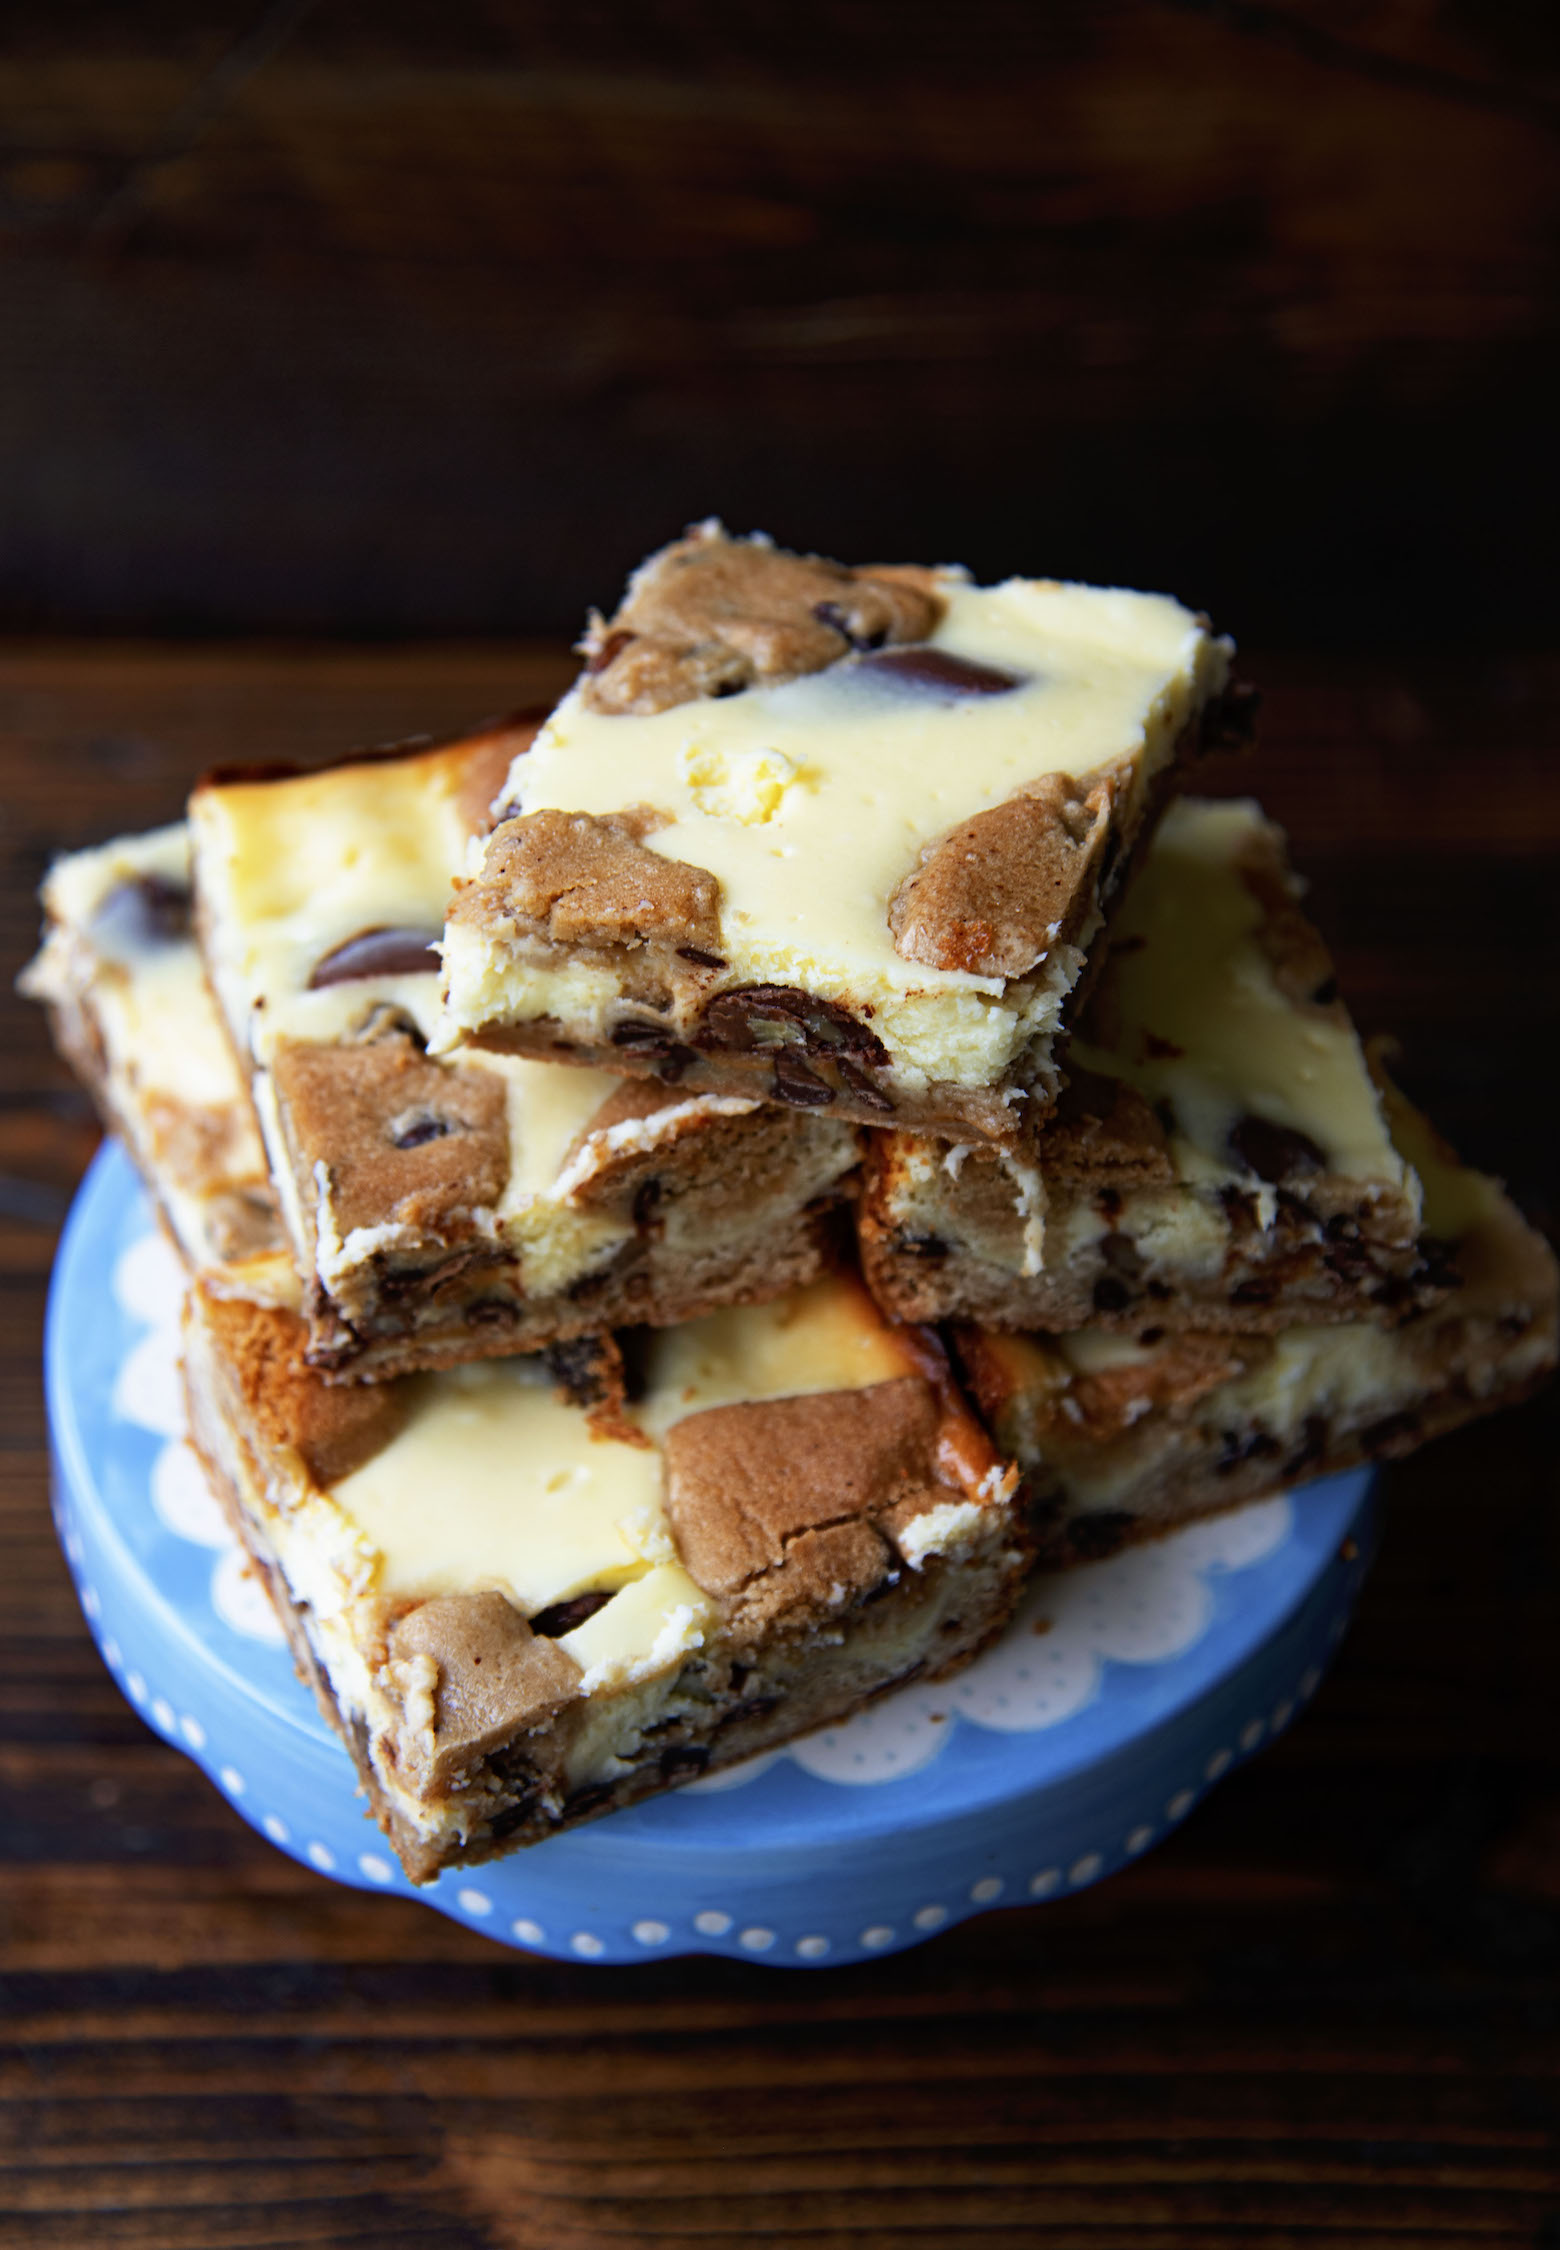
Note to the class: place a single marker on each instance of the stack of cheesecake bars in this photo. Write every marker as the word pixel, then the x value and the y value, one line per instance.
pixel 687 1202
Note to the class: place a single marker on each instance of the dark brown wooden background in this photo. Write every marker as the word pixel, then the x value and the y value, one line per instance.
pixel 376 317
pixel 417 325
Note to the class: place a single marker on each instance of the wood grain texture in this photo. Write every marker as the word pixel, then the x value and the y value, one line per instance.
pixel 371 318
pixel 1323 2014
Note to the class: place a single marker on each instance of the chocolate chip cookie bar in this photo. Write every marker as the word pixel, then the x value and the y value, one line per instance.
pixel 838 838
pixel 130 1009
pixel 1120 1439
pixel 1221 1158
pixel 448 1208
pixel 520 1611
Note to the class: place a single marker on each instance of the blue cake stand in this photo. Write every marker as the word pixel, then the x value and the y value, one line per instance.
pixel 1121 1694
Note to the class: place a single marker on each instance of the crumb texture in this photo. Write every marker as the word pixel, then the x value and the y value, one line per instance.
pixel 998 891
pixel 784 1507
pixel 401 1141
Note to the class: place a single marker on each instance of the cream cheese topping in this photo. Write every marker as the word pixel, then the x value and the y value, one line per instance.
pixel 494 1484
pixel 1196 1016
pixel 292 869
pixel 811 800
pixel 151 1000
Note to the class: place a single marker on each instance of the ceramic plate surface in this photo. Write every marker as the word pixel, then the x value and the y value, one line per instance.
pixel 1123 1691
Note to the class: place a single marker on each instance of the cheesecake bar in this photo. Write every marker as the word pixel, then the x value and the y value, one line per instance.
pixel 1120 1439
pixel 449 1208
pixel 121 977
pixel 520 1612
pixel 1220 1159
pixel 839 838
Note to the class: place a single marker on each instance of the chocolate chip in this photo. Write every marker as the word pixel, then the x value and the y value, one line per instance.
pixel 858 1083
pixel 757 1017
pixel 144 912
pixel 1275 1152
pixel 611 648
pixel 671 1066
pixel 1123 1256
pixel 796 1082
pixel 562 1617
pixel 677 1764
pixel 699 958
pixel 1326 993
pixel 1238 1446
pixel 414 1132
pixel 1253 1292
pixel 938 672
pixel 831 614
pixel 594 1797
pixel 586 1367
pixel 655 1043
pixel 1108 1203
pixel 1111 1295
pixel 646 1196
pixel 378 953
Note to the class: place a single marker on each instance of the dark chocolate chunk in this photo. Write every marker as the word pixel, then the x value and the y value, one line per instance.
pixel 413 1132
pixel 1253 1292
pixel 683 1761
pixel 1123 1256
pixel 831 614
pixel 796 1082
pixel 757 1017
pixel 699 957
pixel 144 912
pixel 1238 1446
pixel 671 1066
pixel 1111 1295
pixel 646 1196
pixel 562 1617
pixel 938 672
pixel 378 953
pixel 1326 993
pixel 858 1083
pixel 586 1367
pixel 611 647
pixel 1275 1152
pixel 594 1797
pixel 632 1032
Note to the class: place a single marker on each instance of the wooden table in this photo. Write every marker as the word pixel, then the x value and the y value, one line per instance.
pixel 1326 2011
